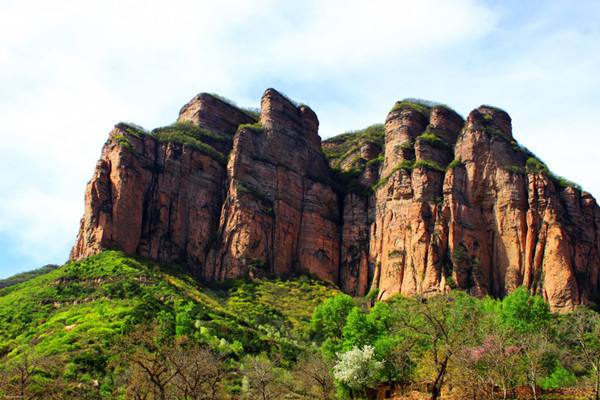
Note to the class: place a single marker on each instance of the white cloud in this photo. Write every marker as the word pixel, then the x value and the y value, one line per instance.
pixel 337 35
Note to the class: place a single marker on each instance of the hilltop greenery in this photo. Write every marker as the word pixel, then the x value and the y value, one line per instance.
pixel 413 104
pixel 531 163
pixel 193 136
pixel 186 133
pixel 345 148
pixel 340 147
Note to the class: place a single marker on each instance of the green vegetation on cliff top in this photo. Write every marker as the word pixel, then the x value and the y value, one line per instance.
pixel 339 147
pixel 186 133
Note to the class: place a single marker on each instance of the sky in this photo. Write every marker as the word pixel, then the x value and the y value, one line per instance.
pixel 70 70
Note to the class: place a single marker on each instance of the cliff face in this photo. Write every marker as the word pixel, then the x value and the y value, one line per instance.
pixel 253 202
pixel 278 217
pixel 419 205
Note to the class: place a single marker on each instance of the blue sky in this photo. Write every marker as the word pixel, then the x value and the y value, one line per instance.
pixel 69 70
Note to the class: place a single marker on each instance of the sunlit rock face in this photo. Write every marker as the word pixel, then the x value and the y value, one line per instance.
pixel 422 204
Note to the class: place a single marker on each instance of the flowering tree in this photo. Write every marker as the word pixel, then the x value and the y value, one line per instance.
pixel 357 369
pixel 480 369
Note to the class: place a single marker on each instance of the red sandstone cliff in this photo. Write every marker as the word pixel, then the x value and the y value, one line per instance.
pixel 422 204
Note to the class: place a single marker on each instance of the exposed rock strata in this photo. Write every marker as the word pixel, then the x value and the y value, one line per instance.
pixel 422 204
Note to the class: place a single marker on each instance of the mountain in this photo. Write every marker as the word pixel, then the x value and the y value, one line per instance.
pixel 25 276
pixel 422 204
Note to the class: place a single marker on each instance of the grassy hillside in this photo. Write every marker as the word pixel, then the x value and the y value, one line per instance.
pixel 79 316
pixel 116 327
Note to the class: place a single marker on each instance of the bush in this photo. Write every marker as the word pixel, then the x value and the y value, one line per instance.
pixel 131 128
pixel 252 111
pixel 408 145
pixel 455 164
pixel 429 164
pixel 533 165
pixel 189 129
pixel 190 135
pixel 432 139
pixel 246 189
pixel 515 169
pixel 406 165
pixel 413 104
pixel 559 378
pixel 124 142
pixel 345 144
pixel 224 99
pixel 345 182
pixel 376 161
pixel 564 183
pixel 256 127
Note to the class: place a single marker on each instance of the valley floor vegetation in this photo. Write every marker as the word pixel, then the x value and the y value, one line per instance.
pixel 116 327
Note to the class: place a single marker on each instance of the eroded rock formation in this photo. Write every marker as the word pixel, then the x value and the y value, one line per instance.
pixel 422 204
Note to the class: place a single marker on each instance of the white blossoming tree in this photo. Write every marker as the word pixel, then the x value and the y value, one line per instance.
pixel 357 369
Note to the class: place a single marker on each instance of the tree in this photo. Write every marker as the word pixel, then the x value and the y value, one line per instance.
pixel 29 378
pixel 329 317
pixel 357 331
pixel 559 378
pixel 366 328
pixel 183 370
pixel 494 362
pixel 313 377
pixel 262 378
pixel 184 324
pixel 442 326
pixel 503 359
pixel 151 371
pixel 523 312
pixel 395 354
pixel 535 347
pixel 584 335
pixel 198 372
pixel 357 369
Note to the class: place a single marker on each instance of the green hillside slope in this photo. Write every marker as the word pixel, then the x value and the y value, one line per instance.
pixel 116 327
pixel 79 316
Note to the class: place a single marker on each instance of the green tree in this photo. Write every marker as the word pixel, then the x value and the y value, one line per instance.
pixel 442 326
pixel 184 323
pixel 559 378
pixel 329 317
pixel 524 312
pixel 366 328
pixel 394 352
pixel 166 324
pixel 357 331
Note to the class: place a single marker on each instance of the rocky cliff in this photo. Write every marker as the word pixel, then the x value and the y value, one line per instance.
pixel 424 203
